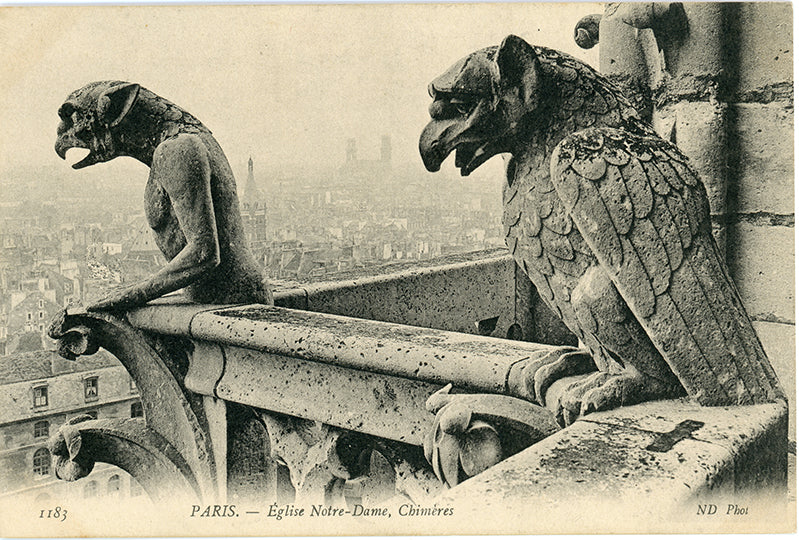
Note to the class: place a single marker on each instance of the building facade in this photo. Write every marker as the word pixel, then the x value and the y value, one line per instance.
pixel 39 391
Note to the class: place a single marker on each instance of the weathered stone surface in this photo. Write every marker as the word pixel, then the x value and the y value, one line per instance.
pixel 755 436
pixel 437 356
pixel 697 50
pixel 761 261
pixel 380 405
pixel 765 56
pixel 598 471
pixel 779 340
pixel 762 161
pixel 173 321
pixel 699 132
pixel 456 297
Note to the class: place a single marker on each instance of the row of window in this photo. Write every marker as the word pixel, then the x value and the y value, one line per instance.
pixel 42 427
pixel 90 490
pixel 113 487
pixel 91 392
pixel 42 463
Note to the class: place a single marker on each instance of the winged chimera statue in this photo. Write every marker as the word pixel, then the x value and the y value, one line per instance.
pixel 612 226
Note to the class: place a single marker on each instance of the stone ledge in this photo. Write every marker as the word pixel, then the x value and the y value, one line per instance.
pixel 459 292
pixel 674 452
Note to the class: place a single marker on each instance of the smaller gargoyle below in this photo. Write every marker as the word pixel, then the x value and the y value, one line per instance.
pixel 473 432
pixel 70 464
pixel 190 197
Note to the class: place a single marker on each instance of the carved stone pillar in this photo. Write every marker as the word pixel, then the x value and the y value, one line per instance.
pixel 673 56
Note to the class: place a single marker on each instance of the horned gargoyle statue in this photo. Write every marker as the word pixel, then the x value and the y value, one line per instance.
pixel 190 197
pixel 611 225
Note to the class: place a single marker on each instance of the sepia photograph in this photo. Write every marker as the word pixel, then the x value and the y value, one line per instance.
pixel 300 269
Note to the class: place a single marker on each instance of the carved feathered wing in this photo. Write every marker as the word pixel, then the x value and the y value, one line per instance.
pixel 645 215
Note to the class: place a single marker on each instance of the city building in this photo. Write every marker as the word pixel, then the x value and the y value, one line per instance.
pixel 40 391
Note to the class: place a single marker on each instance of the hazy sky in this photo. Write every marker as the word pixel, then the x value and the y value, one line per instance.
pixel 287 84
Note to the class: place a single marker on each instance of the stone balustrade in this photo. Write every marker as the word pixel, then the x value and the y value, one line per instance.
pixel 269 403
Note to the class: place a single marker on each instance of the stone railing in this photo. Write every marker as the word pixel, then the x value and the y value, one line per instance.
pixel 274 404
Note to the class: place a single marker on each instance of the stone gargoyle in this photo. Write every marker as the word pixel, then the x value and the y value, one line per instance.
pixel 611 225
pixel 190 197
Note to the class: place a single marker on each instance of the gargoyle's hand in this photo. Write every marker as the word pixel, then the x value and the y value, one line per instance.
pixel 122 299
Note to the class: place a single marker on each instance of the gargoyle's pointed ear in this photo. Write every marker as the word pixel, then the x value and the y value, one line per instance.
pixel 115 103
pixel 518 66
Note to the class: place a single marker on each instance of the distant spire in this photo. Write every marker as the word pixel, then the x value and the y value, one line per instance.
pixel 385 149
pixel 352 150
pixel 250 190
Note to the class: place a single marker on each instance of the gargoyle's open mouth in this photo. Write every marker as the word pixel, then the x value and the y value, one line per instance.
pixel 62 147
pixel 89 159
pixel 435 146
pixel 469 156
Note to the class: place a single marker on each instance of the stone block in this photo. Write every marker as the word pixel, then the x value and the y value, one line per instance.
pixel 646 468
pixel 779 341
pixel 699 52
pixel 761 260
pixel 765 44
pixel 762 164
pixel 699 134
pixel 453 297
pixel 375 404
pixel 750 435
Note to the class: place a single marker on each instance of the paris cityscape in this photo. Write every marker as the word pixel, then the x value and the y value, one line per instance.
pixel 61 248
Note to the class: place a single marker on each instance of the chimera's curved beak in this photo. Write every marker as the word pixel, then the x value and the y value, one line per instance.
pixel 430 145
pixel 61 148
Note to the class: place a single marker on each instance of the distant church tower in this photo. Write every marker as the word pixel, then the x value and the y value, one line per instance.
pixel 352 151
pixel 385 149
pixel 250 191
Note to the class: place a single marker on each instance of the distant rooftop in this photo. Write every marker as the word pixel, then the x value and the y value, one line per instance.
pixel 28 366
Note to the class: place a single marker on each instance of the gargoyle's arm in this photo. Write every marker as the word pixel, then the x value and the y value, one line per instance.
pixel 181 167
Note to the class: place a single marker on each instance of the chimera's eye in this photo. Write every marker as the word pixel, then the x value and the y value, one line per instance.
pixel 65 111
pixel 463 107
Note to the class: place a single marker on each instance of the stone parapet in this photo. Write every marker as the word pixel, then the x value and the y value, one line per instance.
pixel 262 403
pixel 482 293
pixel 457 295
pixel 606 466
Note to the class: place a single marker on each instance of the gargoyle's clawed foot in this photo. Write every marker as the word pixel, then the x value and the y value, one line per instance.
pixel 604 391
pixel 559 363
